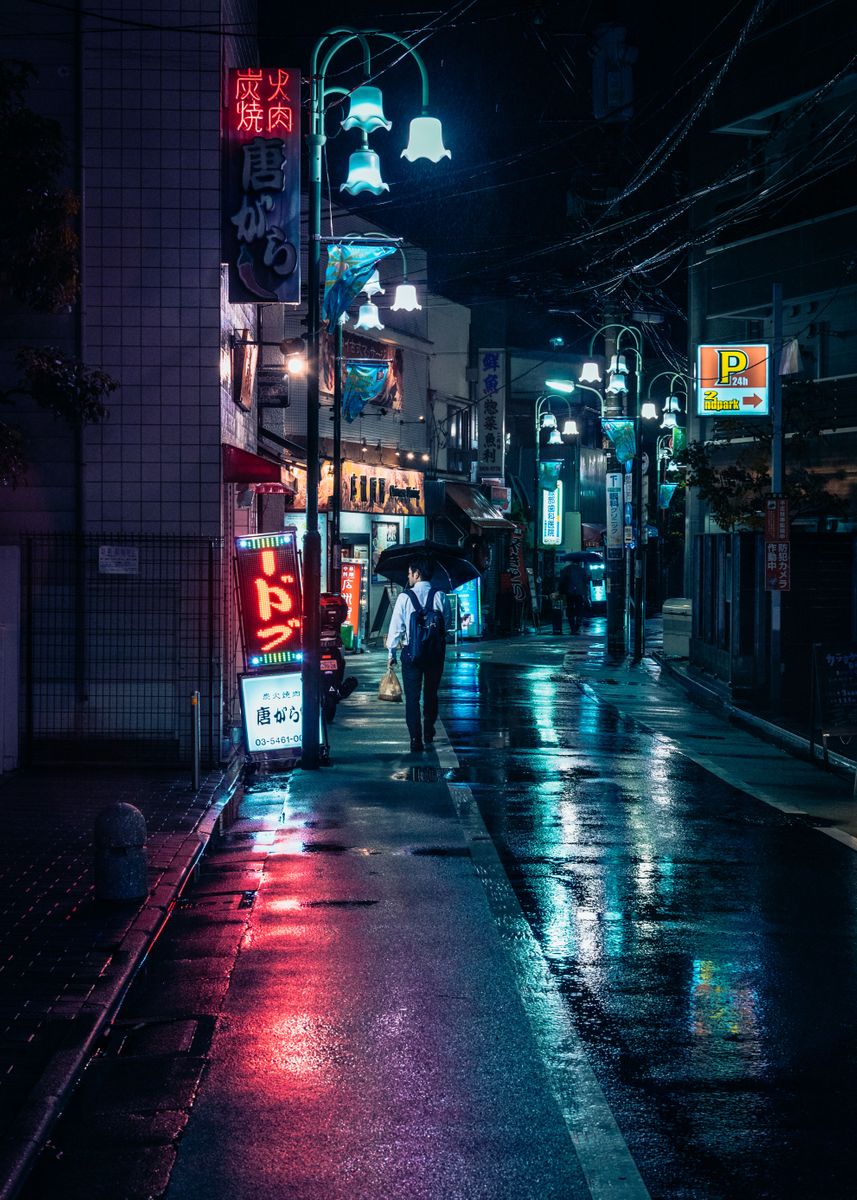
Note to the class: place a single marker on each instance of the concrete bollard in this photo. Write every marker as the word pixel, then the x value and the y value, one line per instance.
pixel 121 869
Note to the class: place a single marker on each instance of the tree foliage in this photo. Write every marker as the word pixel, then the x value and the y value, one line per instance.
pixel 736 486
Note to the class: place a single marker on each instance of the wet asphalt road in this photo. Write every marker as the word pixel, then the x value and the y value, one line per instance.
pixel 704 942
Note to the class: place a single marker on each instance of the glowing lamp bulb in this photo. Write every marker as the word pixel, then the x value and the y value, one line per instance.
pixel 372 286
pixel 569 429
pixel 589 373
pixel 364 174
pixel 366 111
pixel 649 412
pixel 406 298
pixel 617 386
pixel 425 140
pixel 368 317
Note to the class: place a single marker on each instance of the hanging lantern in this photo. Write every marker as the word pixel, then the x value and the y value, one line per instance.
pixel 589 373
pixel 368 317
pixel 372 286
pixel 366 111
pixel 570 429
pixel 425 140
pixel 649 411
pixel 670 421
pixel 406 298
pixel 364 174
pixel 618 363
pixel 672 404
pixel 555 438
pixel 617 386
pixel 548 421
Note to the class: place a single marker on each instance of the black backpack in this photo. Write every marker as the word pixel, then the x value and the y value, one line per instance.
pixel 426 632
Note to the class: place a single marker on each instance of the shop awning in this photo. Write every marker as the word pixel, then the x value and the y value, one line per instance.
pixel 254 471
pixel 474 505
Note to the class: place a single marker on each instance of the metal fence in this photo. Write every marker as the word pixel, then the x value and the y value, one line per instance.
pixel 118 632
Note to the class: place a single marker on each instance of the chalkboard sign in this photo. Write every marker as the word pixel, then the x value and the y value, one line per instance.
pixel 833 708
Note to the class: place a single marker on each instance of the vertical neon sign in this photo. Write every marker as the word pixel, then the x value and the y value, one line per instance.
pixel 262 199
pixel 269 598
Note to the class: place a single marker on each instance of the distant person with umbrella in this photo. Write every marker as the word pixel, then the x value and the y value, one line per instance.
pixel 423 675
pixel 572 586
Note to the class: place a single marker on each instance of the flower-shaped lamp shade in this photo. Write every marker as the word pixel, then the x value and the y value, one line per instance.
pixel 618 363
pixel 555 438
pixel 366 111
pixel 570 429
pixel 372 286
pixel 670 421
pixel 589 373
pixel 617 386
pixel 672 404
pixel 649 411
pixel 548 421
pixel 368 317
pixel 426 141
pixel 364 174
pixel 406 298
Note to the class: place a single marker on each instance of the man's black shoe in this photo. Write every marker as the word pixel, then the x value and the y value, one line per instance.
pixel 428 736
pixel 416 746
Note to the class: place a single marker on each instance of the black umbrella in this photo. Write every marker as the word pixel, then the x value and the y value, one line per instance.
pixel 451 565
pixel 582 556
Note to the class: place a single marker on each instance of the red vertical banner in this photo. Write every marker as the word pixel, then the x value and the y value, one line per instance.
pixel 352 578
pixel 261 209
pixel 269 598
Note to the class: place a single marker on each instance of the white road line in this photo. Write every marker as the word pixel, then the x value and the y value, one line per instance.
pixel 605 1159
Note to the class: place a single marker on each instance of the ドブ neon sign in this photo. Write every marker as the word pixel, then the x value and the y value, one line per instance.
pixel 269 598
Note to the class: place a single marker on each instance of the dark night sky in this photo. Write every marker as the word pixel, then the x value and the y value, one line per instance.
pixel 522 209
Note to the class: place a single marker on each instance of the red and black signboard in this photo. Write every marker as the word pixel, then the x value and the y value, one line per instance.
pixel 269 598
pixel 261 218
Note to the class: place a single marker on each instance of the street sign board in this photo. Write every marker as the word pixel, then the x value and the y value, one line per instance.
pixel 732 380
pixel 777 519
pixel 614 515
pixel 778 567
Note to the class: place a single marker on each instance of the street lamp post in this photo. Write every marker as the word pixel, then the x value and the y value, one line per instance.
pixel 425 142
pixel 616 390
pixel 664 450
pixel 545 419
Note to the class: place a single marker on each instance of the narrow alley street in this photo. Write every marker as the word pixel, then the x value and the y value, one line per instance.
pixel 352 1001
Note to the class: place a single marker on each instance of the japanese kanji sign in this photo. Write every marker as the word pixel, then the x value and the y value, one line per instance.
pixel 732 381
pixel 349 588
pixel 272 707
pixel 492 414
pixel 269 598
pixel 261 217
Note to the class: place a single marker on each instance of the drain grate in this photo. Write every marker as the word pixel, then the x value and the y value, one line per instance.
pixel 426 774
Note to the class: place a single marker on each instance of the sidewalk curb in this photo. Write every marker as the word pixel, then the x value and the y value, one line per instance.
pixel 794 743
pixel 47 1099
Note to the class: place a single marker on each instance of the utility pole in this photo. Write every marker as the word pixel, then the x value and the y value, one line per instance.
pixel 777 484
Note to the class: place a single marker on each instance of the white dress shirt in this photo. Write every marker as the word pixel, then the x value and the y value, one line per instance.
pixel 397 634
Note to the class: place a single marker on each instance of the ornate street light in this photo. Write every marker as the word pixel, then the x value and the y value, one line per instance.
pixel 617 386
pixel 365 110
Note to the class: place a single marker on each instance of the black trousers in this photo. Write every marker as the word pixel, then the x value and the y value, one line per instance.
pixel 414 681
pixel 574 610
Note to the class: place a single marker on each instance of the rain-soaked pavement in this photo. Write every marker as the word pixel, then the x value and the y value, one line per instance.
pixel 704 942
pixel 349 1005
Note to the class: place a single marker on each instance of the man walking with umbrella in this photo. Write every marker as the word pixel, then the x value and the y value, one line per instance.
pixel 418 626
pixel 572 585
